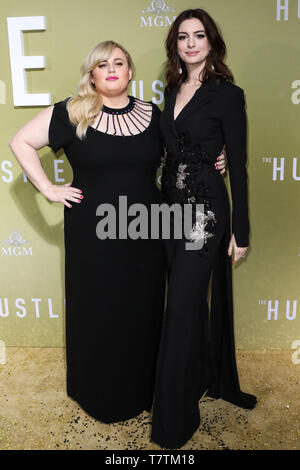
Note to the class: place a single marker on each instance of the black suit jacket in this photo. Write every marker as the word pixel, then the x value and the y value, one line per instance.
pixel 215 117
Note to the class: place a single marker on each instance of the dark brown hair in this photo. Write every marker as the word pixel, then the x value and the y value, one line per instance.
pixel 214 63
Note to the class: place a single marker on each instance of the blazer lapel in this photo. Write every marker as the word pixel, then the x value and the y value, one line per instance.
pixel 201 97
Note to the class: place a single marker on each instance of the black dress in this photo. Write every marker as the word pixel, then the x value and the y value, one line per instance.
pixel 114 287
pixel 197 351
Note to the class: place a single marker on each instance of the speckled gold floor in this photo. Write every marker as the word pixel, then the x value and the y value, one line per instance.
pixel 35 412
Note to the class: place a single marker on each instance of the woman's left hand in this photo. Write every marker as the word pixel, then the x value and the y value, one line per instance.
pixel 238 252
pixel 221 162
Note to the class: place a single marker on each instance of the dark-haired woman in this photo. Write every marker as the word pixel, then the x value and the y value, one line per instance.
pixel 204 110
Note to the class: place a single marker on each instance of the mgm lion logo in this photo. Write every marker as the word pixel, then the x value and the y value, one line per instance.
pixel 158 14
pixel 15 246
pixel 16 239
pixel 158 7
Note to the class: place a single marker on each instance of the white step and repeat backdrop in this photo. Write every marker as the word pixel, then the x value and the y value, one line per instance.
pixel 42 45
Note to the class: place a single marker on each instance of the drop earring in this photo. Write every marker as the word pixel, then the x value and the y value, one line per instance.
pixel 212 65
pixel 179 66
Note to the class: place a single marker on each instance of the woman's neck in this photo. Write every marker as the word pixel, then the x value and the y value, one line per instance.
pixel 119 101
pixel 194 72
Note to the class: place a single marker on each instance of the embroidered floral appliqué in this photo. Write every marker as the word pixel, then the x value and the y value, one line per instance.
pixel 181 175
pixel 198 231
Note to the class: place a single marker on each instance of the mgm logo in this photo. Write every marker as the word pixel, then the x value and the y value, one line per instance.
pixel 158 14
pixel 15 245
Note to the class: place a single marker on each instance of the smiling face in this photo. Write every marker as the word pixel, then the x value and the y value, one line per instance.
pixel 111 76
pixel 192 43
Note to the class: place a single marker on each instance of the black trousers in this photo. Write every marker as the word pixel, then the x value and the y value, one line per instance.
pixel 183 368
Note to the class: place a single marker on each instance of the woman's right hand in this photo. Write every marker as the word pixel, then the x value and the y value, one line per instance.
pixel 236 251
pixel 63 193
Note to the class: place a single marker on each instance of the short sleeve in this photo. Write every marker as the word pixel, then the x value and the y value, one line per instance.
pixel 61 130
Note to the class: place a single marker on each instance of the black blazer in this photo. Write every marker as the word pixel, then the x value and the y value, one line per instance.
pixel 213 117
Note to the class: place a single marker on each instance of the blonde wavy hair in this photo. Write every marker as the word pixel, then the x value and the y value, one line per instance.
pixel 84 107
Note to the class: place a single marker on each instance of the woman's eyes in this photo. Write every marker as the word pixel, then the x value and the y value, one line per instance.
pixel 101 66
pixel 199 36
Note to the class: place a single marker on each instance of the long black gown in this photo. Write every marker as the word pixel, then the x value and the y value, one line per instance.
pixel 197 351
pixel 114 287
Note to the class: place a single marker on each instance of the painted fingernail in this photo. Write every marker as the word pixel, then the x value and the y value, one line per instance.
pixel 71 206
pixel 79 202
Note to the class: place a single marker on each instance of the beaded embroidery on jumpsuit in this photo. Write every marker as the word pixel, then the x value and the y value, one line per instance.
pixel 182 175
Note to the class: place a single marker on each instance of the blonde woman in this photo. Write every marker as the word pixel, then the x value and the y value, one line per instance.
pixel 114 285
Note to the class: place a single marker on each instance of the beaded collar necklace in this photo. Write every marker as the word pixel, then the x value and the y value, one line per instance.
pixel 117 111
pixel 130 120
